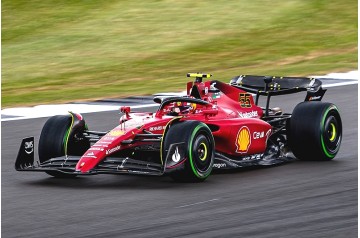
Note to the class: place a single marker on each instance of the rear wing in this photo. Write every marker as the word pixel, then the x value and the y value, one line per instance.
pixel 274 86
pixel 277 83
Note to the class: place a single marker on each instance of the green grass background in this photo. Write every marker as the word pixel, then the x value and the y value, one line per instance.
pixel 62 51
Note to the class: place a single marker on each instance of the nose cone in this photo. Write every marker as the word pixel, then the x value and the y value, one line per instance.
pixel 95 154
pixel 107 145
pixel 90 159
pixel 84 165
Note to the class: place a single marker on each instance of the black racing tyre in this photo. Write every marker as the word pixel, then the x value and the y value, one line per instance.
pixel 200 150
pixel 54 140
pixel 315 131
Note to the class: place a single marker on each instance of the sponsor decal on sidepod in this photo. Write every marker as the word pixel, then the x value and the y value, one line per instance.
pixel 248 114
pixel 218 166
pixel 243 140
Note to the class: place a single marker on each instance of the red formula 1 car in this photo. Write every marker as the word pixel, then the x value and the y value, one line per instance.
pixel 216 126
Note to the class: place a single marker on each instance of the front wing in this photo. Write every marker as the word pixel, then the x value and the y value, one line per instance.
pixel 114 165
pixel 66 164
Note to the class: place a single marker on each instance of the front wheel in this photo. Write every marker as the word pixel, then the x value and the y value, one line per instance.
pixel 55 141
pixel 199 147
pixel 315 131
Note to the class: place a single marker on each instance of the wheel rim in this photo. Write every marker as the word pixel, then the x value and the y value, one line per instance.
pixel 331 135
pixel 201 152
pixel 332 132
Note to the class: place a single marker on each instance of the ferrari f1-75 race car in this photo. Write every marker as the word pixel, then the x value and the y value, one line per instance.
pixel 215 126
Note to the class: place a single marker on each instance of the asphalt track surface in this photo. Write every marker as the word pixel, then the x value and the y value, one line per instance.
pixel 297 199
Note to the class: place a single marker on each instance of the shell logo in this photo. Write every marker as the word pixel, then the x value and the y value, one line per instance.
pixel 243 140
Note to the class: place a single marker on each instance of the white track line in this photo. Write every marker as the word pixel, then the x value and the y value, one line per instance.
pixel 197 203
pixel 62 109
pixel 40 111
pixel 339 84
pixel 349 75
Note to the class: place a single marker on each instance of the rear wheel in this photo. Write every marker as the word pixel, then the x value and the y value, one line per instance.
pixel 200 145
pixel 54 142
pixel 315 131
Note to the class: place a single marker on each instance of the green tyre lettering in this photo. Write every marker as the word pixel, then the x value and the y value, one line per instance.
pixel 67 134
pixel 322 136
pixel 193 134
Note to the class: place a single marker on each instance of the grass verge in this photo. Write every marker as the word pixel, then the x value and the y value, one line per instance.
pixel 61 51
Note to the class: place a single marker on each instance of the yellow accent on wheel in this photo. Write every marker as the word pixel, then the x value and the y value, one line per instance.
pixel 68 133
pixel 205 151
pixel 333 132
